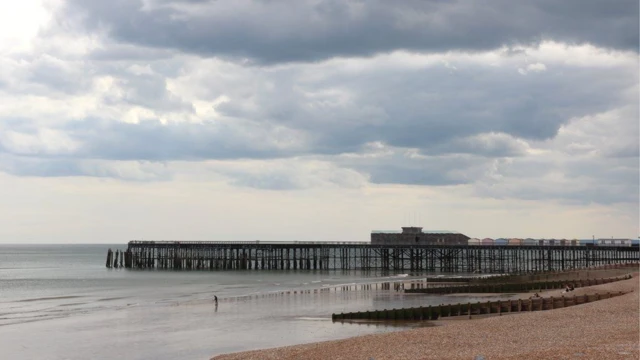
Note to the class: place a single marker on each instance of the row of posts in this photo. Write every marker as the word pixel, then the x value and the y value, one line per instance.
pixel 515 287
pixel 118 259
pixel 469 309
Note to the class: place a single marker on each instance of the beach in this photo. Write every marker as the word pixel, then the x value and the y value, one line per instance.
pixel 59 302
pixel 606 329
pixel 161 315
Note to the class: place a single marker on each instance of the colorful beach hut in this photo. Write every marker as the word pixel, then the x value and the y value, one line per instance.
pixel 501 241
pixel 474 241
pixel 487 241
pixel 515 241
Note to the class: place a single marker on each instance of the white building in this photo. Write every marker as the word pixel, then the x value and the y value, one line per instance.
pixel 614 242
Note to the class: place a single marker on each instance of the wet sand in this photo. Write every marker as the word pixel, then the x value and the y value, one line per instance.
pixel 606 329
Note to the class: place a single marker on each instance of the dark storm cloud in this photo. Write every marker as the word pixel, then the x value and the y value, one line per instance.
pixel 569 194
pixel 44 75
pixel 72 167
pixel 431 109
pixel 274 32
pixel 57 75
pixel 118 52
pixel 154 141
pixel 150 91
pixel 477 109
pixel 20 124
pixel 487 145
pixel 428 171
pixel 40 167
pixel 265 180
pixel 576 180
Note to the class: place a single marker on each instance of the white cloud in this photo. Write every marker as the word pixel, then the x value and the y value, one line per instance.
pixel 20 22
pixel 537 67
pixel 42 141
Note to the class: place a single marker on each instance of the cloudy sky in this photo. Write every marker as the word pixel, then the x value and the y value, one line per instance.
pixel 317 120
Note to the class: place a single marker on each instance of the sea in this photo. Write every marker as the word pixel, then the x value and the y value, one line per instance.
pixel 61 302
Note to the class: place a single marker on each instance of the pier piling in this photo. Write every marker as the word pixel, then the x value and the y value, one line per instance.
pixel 212 255
pixel 109 256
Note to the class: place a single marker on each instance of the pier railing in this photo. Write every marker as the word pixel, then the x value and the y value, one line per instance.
pixel 244 242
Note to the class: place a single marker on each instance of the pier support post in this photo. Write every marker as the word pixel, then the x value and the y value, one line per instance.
pixel 109 255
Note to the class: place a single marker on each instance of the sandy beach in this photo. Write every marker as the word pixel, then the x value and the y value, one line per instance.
pixel 606 329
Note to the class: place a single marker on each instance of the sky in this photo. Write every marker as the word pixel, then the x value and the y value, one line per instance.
pixel 317 120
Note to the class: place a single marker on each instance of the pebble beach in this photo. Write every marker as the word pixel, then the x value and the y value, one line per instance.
pixel 606 329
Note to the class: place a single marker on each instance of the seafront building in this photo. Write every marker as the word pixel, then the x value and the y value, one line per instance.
pixel 614 242
pixel 413 235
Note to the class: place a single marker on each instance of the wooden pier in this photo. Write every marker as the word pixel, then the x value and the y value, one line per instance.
pixel 259 255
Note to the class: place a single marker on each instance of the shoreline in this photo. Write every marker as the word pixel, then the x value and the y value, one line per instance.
pixel 606 329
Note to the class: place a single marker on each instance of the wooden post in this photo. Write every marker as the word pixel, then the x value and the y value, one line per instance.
pixel 109 254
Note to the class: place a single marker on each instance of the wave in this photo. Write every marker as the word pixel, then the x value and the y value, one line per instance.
pixel 73 304
pixel 399 276
pixel 314 318
pixel 51 298
pixel 113 298
pixel 338 285
pixel 28 267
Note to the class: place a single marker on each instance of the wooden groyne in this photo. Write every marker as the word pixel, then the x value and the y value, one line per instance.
pixel 469 309
pixel 514 287
pixel 612 270
pixel 211 255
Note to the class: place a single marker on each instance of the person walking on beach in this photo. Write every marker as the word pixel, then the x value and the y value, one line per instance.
pixel 215 300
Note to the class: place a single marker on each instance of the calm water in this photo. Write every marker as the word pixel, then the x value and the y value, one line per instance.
pixel 60 302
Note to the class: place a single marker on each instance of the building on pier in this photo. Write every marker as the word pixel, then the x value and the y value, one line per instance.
pixel 414 235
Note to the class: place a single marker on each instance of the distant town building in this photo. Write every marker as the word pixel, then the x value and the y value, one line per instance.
pixel 416 236
pixel 614 242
